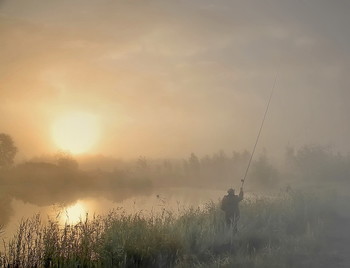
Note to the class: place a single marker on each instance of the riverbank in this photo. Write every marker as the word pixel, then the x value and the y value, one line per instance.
pixel 288 230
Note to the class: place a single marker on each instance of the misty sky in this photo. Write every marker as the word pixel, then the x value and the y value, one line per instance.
pixel 166 78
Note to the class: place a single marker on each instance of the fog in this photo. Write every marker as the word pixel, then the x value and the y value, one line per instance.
pixel 116 100
pixel 61 180
pixel 169 78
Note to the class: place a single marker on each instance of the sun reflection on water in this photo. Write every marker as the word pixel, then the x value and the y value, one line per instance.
pixel 74 213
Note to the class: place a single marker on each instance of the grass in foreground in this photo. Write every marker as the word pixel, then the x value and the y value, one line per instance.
pixel 285 231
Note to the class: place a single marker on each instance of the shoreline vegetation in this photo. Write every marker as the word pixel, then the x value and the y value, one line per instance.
pixel 284 231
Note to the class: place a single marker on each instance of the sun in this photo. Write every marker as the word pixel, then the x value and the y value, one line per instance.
pixel 76 132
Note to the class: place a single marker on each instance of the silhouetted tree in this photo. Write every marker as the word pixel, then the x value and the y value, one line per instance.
pixel 194 165
pixel 66 161
pixel 316 162
pixel 142 163
pixel 264 174
pixel 8 150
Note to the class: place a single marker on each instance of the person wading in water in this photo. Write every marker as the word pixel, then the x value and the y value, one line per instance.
pixel 230 205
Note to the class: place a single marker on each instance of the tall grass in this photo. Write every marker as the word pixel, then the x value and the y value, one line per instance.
pixel 273 232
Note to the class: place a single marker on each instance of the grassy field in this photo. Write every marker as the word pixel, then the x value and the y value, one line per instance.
pixel 283 231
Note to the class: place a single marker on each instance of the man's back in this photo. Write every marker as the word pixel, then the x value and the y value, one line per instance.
pixel 230 205
pixel 230 202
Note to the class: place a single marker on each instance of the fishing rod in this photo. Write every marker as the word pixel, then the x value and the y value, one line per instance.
pixel 261 127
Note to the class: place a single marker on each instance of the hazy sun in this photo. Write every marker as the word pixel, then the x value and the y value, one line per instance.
pixel 76 132
pixel 74 214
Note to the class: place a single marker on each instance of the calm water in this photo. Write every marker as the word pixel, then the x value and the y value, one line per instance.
pixel 169 198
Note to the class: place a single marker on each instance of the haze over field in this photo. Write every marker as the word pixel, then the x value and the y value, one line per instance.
pixel 167 78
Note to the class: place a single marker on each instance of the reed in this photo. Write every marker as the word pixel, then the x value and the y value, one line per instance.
pixel 272 233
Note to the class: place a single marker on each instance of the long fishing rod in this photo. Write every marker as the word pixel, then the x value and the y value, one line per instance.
pixel 261 127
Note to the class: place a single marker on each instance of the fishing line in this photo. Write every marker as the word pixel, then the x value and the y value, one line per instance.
pixel 261 127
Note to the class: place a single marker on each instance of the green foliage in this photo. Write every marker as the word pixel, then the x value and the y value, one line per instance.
pixel 283 231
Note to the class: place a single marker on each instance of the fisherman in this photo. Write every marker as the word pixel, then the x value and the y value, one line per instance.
pixel 230 205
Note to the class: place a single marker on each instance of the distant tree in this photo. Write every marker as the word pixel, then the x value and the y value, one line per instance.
pixel 264 174
pixel 142 163
pixel 66 161
pixel 8 150
pixel 317 162
pixel 194 165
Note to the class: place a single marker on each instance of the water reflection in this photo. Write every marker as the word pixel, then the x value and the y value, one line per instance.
pixel 74 214
pixel 175 199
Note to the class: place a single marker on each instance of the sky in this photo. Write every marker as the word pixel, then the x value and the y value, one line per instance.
pixel 166 78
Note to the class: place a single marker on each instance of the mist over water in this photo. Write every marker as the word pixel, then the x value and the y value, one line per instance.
pixel 153 107
pixel 71 191
pixel 53 184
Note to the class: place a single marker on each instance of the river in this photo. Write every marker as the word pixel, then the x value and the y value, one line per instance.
pixel 174 199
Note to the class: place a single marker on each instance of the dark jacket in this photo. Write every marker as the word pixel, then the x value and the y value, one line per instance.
pixel 230 204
